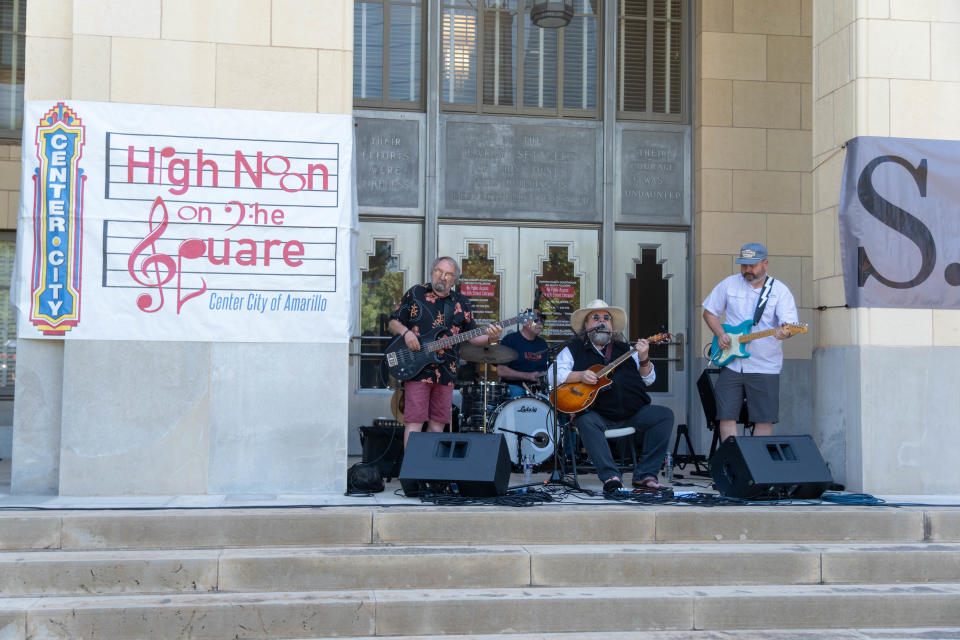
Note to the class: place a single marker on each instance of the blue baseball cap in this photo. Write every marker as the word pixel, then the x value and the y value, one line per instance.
pixel 752 253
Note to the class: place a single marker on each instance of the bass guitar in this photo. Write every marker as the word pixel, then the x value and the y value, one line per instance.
pixel 404 363
pixel 739 339
pixel 574 397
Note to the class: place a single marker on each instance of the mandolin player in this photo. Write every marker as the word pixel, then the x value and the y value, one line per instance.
pixel 623 403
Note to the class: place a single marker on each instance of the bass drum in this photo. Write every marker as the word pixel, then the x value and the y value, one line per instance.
pixel 531 416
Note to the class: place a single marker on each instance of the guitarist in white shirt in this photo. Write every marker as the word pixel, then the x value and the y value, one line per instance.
pixel 767 304
pixel 428 395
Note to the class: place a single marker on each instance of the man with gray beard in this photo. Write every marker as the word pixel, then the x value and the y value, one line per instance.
pixel 424 309
pixel 598 341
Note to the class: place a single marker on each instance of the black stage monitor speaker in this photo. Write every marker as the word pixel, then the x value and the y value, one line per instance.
pixel 471 464
pixel 770 468
pixel 383 445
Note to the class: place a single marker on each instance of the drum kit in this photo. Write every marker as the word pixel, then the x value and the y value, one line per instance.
pixel 526 422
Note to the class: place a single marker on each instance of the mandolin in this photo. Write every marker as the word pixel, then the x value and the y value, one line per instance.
pixel 574 397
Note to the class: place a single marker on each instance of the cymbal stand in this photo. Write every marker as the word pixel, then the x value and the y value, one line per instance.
pixel 559 468
pixel 486 366
pixel 559 465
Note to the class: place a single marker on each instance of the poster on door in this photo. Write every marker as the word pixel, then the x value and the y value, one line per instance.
pixel 480 282
pixel 559 293
pixel 143 222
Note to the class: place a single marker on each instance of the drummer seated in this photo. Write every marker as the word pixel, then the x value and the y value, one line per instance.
pixel 531 363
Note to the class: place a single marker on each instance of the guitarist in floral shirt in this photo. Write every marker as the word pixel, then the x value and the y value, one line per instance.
pixel 430 311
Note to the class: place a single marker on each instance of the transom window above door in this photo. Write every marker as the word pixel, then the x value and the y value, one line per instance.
pixel 492 59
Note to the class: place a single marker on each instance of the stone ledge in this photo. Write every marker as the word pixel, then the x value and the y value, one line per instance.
pixel 29 532
pixel 811 524
pixel 215 528
pixel 299 569
pixel 483 526
pixel 480 611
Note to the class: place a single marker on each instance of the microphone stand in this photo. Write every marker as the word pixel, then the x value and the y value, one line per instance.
pixel 559 467
pixel 559 462
pixel 520 436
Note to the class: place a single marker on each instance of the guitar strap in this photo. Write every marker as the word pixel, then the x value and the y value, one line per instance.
pixel 448 312
pixel 762 301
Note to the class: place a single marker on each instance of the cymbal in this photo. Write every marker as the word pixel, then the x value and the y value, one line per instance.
pixel 487 354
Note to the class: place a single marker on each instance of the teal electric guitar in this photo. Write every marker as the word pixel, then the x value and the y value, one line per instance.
pixel 739 339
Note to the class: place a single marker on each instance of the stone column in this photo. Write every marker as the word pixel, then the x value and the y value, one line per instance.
pixel 752 123
pixel 887 408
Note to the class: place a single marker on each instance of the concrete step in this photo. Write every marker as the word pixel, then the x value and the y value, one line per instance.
pixel 481 611
pixel 925 633
pixel 222 528
pixel 47 573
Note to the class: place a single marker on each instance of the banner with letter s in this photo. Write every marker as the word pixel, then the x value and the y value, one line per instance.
pixel 900 223
pixel 143 222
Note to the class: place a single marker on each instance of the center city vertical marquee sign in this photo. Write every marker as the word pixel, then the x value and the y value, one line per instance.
pixel 142 222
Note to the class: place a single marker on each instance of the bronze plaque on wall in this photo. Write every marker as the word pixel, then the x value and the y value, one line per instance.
pixel 388 162
pixel 508 170
pixel 652 174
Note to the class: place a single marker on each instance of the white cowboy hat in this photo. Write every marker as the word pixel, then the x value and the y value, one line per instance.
pixel 618 315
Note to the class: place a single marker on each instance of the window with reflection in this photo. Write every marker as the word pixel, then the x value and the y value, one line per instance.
pixel 8 318
pixel 388 53
pixel 651 59
pixel 13 26
pixel 493 59
pixel 381 286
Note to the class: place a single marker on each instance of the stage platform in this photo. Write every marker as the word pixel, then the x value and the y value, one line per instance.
pixel 684 484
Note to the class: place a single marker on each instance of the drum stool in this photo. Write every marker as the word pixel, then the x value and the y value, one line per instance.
pixel 610 435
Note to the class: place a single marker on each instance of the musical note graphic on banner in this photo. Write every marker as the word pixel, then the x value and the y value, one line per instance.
pixel 158 269
pixel 190 249
pixel 155 260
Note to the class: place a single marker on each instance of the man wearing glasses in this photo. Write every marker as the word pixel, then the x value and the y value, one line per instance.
pixel 625 403
pixel 428 395
pixel 531 362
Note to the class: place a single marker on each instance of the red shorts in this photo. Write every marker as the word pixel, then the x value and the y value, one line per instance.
pixel 424 401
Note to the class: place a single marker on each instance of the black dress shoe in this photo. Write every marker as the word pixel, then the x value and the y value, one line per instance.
pixel 612 485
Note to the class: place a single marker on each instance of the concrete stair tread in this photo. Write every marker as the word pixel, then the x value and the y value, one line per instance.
pixel 939 633
pixel 529 548
pixel 65 573
pixel 458 526
pixel 483 611
pixel 931 633
pixel 528 593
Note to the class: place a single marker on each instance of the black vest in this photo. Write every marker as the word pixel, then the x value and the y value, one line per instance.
pixel 628 392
